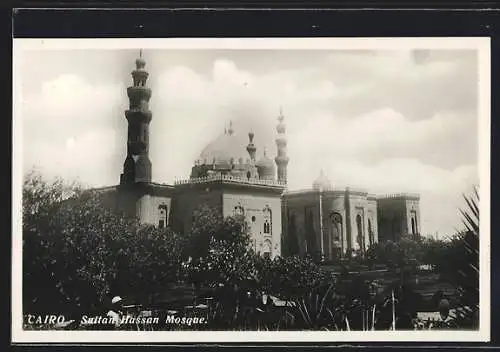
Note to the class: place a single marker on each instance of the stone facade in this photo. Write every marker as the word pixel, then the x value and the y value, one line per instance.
pixel 228 177
pixel 346 218
pixel 350 220
pixel 399 215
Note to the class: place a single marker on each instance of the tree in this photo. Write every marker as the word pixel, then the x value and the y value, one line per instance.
pixel 76 252
pixel 218 249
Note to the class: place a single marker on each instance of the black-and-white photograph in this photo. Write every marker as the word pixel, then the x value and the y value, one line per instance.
pixel 251 186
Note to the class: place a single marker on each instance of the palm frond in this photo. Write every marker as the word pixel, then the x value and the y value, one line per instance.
pixel 468 270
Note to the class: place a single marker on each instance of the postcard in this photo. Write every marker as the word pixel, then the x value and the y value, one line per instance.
pixel 257 190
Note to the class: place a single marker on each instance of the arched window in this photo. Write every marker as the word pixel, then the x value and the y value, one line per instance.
pixel 267 220
pixel 335 241
pixel 337 226
pixel 359 225
pixel 267 249
pixel 413 230
pixel 370 232
pixel 162 218
pixel 293 240
pixel 239 211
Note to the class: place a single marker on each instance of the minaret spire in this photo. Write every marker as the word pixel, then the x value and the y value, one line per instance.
pixel 137 166
pixel 281 144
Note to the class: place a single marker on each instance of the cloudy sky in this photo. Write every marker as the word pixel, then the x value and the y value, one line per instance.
pixel 386 121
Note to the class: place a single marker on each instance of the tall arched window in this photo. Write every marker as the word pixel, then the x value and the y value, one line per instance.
pixel 267 220
pixel 162 218
pixel 359 225
pixel 336 235
pixel 414 225
pixel 370 232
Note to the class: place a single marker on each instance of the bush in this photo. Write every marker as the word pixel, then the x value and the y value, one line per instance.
pixel 76 252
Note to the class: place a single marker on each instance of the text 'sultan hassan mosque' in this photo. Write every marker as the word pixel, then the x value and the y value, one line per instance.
pixel 228 176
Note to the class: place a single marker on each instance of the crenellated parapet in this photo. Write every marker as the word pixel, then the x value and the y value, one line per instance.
pixel 229 179
pixel 409 196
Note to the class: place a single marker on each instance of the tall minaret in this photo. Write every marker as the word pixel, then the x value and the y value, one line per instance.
pixel 281 159
pixel 137 166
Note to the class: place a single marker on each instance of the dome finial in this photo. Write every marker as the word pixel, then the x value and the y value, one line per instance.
pixel 230 131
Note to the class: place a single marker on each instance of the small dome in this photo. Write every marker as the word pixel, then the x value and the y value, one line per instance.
pixel 322 182
pixel 266 167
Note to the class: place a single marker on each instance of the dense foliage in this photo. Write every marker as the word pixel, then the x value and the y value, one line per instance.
pixel 76 252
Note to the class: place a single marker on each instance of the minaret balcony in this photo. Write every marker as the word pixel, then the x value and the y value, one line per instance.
pixel 139 93
pixel 281 142
pixel 138 115
pixel 282 160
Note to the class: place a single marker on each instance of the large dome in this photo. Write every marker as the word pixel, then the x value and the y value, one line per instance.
pixel 228 146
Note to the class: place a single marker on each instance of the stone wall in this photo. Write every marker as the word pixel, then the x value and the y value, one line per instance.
pixel 188 200
pixel 393 221
pixel 339 214
pixel 257 208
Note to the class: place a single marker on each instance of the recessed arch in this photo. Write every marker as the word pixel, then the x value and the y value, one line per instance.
pixel 162 215
pixel 359 227
pixel 371 236
pixel 335 239
pixel 268 219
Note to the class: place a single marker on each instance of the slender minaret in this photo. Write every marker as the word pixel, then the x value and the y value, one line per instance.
pixel 137 166
pixel 281 159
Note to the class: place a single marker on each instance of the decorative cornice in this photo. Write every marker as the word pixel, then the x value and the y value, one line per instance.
pixel 407 196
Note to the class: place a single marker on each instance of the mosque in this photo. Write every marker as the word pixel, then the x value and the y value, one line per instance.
pixel 229 177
